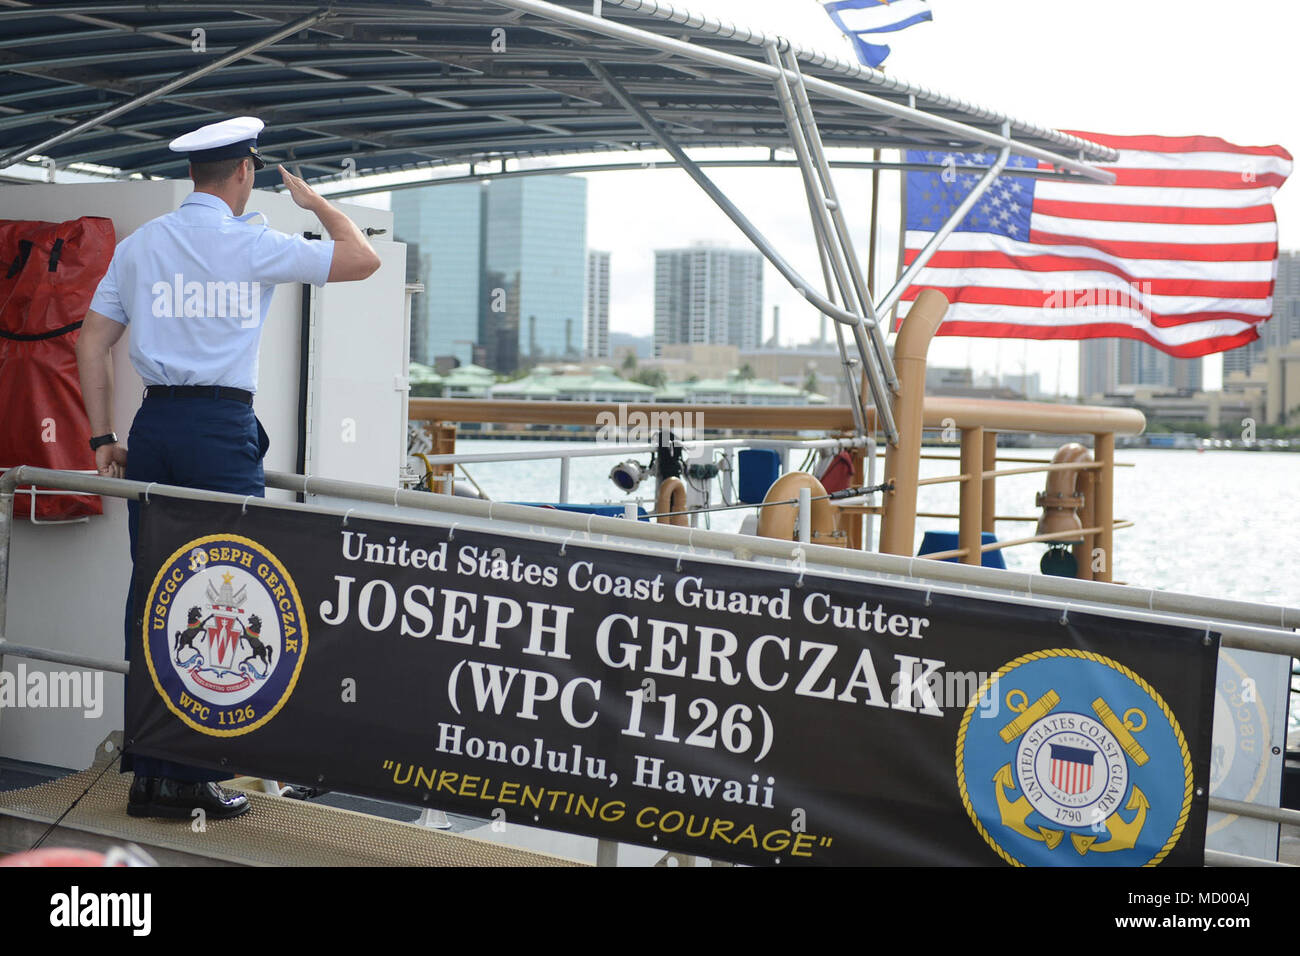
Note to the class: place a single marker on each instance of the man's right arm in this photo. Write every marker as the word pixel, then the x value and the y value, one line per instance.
pixel 354 257
pixel 99 334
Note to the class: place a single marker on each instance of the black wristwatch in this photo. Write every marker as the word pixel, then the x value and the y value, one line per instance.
pixel 98 440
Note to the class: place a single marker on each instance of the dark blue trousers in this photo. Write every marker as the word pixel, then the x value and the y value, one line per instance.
pixel 212 443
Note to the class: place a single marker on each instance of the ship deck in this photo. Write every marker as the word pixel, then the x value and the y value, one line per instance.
pixel 274 832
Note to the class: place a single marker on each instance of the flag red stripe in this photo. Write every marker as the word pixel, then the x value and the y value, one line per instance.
pixel 1179 144
pixel 1226 252
pixel 1096 330
pixel 1042 299
pixel 1193 178
pixel 1210 288
pixel 1177 215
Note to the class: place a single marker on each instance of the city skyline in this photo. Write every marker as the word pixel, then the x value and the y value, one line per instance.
pixel 1129 363
pixel 1108 364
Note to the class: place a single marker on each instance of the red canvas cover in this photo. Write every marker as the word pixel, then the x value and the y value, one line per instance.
pixel 48 273
pixel 839 473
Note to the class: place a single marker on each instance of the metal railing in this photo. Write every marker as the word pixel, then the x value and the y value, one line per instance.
pixel 1264 627
pixel 568 452
pixel 986 519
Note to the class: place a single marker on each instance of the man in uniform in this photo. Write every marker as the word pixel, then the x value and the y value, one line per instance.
pixel 198 358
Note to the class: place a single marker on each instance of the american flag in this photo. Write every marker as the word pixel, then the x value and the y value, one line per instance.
pixel 1180 252
pixel 1071 768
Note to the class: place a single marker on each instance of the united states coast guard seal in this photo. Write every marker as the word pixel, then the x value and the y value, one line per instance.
pixel 224 634
pixel 1068 758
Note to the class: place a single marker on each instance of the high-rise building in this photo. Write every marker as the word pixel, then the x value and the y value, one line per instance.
pixel 706 295
pixel 534 270
pixel 1096 367
pixel 503 267
pixel 1109 364
pixel 442 227
pixel 419 344
pixel 597 304
pixel 1282 328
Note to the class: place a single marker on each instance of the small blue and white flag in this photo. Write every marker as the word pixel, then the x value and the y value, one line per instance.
pixel 866 19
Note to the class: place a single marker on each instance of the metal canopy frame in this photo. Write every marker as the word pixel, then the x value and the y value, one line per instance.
pixel 835 247
pixel 479 172
pixel 388 85
pixel 401 84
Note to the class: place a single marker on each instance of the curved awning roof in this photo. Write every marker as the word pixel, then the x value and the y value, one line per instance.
pixel 400 84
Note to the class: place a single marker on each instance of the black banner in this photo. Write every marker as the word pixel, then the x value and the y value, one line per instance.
pixel 741 713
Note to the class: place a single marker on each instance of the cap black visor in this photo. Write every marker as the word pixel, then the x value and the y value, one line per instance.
pixel 230 151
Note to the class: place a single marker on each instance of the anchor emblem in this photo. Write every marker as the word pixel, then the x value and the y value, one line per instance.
pixel 1085 765
pixel 1055 773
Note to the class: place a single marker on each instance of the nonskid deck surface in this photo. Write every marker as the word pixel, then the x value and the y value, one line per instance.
pixel 274 832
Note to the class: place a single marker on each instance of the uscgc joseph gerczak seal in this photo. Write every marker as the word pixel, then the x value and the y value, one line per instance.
pixel 224 634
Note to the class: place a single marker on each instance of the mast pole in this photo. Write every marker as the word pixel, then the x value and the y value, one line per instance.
pixel 871 252
pixel 902 229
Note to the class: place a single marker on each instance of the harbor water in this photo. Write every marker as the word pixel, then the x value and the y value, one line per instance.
pixel 1216 523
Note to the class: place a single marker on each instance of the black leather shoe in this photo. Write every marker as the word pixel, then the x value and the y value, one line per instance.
pixel 296 792
pixel 178 799
pixel 142 793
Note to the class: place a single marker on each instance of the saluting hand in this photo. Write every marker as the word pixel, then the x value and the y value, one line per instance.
pixel 302 194
pixel 352 256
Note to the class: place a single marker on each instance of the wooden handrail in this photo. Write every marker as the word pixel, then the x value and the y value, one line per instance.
pixel 1037 538
pixel 942 480
pixel 1056 466
pixel 753 417
pixel 1027 461
pixel 992 414
pixel 876 509
pixel 1043 417
pixel 1005 472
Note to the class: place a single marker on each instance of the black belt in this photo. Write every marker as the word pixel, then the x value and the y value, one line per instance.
pixel 199 391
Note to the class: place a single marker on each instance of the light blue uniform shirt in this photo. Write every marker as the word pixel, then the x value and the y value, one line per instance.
pixel 195 286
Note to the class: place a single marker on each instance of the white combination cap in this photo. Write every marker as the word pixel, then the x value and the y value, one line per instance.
pixel 229 139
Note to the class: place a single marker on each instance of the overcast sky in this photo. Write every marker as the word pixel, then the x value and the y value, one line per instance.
pixel 1172 67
